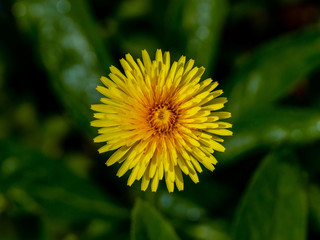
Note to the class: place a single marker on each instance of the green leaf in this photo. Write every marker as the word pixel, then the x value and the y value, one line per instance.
pixel 202 22
pixel 137 41
pixel 133 9
pixel 42 185
pixel 213 230
pixel 148 224
pixel 270 127
pixel 274 205
pixel 243 9
pixel 271 71
pixel 180 207
pixel 314 207
pixel 70 48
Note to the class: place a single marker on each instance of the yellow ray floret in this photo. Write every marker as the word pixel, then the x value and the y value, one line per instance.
pixel 161 120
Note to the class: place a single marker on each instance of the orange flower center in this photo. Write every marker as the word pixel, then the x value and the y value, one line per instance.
pixel 162 118
pixel 163 115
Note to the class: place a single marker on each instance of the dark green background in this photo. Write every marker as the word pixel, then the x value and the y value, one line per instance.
pixel 54 184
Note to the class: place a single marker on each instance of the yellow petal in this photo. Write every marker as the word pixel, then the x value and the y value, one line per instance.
pixel 133 175
pixel 161 170
pixel 214 107
pixel 221 132
pixel 146 60
pixel 103 108
pixel 222 115
pixel 133 64
pixel 125 65
pixel 102 90
pixel 194 176
pixel 155 182
pixel 179 179
pixel 116 156
pixel 153 167
pixel 166 61
pixel 182 164
pixel 224 125
pixel 145 181
pixel 196 164
pixel 99 115
pixel 107 82
pixel 206 164
pixel 124 167
pixel 169 183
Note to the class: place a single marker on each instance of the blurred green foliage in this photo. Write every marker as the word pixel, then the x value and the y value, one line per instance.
pixel 148 223
pixel 263 213
pixel 265 54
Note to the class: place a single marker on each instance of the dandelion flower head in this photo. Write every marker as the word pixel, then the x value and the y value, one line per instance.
pixel 160 119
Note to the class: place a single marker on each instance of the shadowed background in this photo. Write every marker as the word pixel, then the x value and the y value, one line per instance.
pixel 266 57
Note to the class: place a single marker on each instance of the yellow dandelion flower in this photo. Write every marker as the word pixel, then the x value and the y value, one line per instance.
pixel 161 120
